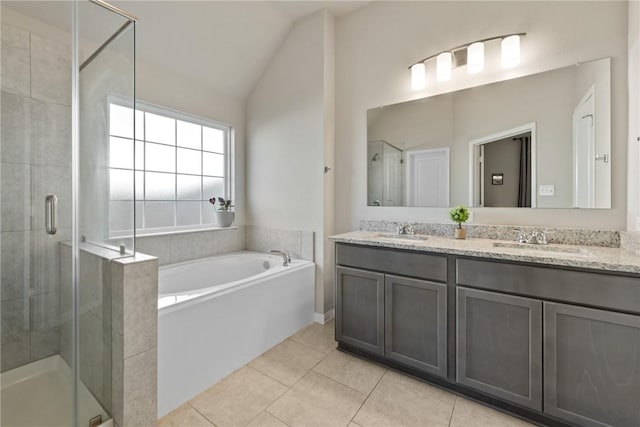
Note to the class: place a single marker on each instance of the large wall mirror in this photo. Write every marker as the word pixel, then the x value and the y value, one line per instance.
pixel 542 140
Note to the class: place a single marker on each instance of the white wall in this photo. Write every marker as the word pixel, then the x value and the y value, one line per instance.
pixel 288 125
pixel 371 70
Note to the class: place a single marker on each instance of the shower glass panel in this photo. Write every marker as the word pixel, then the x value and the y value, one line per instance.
pixel 55 294
pixel 35 162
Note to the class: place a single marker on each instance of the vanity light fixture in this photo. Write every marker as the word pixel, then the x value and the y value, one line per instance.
pixel 443 66
pixel 469 54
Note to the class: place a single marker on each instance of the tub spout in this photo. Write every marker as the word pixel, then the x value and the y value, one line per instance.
pixel 286 259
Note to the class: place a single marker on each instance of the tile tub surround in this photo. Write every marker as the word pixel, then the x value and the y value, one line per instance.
pixel 592 257
pixel 326 387
pixel 561 236
pixel 299 244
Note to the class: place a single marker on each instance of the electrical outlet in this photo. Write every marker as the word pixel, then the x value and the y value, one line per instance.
pixel 547 190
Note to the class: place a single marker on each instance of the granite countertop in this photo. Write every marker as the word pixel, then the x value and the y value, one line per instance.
pixel 592 257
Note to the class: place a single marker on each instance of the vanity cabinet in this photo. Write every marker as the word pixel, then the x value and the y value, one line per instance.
pixel 383 311
pixel 360 309
pixel 499 345
pixel 592 365
pixel 416 323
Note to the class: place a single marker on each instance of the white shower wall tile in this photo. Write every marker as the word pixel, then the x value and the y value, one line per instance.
pixel 15 258
pixel 15 128
pixel 15 202
pixel 15 345
pixel 50 134
pixel 15 65
pixel 191 246
pixel 50 70
pixel 47 180
pixel 257 238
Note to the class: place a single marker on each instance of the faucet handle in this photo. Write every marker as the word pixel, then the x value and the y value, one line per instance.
pixel 522 235
pixel 400 229
pixel 541 236
pixel 408 229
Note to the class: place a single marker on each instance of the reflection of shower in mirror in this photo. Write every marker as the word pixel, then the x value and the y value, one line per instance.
pixel 375 157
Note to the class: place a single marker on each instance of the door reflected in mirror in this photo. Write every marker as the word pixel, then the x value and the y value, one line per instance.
pixel 546 136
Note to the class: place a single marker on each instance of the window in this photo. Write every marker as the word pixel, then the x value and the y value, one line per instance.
pixel 181 162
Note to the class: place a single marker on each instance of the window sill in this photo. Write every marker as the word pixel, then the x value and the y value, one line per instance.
pixel 156 233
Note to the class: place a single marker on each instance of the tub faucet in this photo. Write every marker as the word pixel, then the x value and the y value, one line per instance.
pixel 286 258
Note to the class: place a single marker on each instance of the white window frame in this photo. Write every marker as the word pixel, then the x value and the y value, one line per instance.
pixel 228 177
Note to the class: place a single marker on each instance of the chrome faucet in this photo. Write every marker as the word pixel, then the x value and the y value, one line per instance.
pixel 406 229
pixel 538 237
pixel 286 258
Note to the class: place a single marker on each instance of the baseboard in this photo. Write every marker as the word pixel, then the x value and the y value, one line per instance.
pixel 324 318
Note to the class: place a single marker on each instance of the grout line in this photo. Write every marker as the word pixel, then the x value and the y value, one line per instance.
pixel 367 398
pixel 203 415
pixel 248 365
pixel 276 417
pixel 455 401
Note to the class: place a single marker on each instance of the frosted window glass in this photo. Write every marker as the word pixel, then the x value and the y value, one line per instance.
pixel 139 124
pixel 189 135
pixel 120 184
pixel 187 213
pixel 160 158
pixel 120 121
pixel 139 185
pixel 212 187
pixel 159 214
pixel 160 129
pixel 120 153
pixel 208 213
pixel 212 139
pixel 120 216
pixel 189 161
pixel 139 155
pixel 212 164
pixel 160 186
pixel 189 187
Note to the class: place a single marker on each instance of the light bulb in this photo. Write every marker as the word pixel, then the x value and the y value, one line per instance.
pixel 443 66
pixel 510 51
pixel 418 76
pixel 475 58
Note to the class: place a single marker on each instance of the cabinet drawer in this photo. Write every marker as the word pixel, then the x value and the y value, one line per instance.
pixel 600 290
pixel 414 264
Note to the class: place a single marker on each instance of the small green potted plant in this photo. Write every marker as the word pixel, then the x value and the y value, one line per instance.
pixel 224 214
pixel 459 214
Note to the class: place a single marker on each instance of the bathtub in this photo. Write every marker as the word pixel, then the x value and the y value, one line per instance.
pixel 217 314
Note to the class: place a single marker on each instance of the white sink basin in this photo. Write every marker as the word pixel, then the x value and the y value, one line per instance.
pixel 548 249
pixel 390 236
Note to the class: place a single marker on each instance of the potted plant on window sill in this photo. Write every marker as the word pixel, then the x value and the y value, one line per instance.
pixel 459 214
pixel 224 214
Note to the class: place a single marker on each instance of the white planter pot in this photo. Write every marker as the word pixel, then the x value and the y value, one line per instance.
pixel 224 218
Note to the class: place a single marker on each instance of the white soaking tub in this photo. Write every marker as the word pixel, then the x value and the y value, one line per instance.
pixel 217 314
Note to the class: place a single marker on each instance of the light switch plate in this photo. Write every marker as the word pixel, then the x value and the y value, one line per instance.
pixel 547 190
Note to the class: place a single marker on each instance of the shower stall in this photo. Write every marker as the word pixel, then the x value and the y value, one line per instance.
pixel 64 64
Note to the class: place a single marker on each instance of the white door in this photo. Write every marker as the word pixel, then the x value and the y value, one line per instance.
pixel 428 177
pixel 584 153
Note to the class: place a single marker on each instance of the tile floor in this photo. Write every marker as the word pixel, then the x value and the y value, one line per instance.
pixel 305 381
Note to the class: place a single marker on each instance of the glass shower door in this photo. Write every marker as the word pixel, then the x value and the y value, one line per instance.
pixel 55 295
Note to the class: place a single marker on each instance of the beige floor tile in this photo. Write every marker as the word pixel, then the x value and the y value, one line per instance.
pixel 238 398
pixel 351 371
pixel 287 362
pixel 317 336
pixel 265 419
pixel 184 416
pixel 467 413
pixel 402 401
pixel 352 424
pixel 317 401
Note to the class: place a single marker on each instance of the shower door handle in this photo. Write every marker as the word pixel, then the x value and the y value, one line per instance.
pixel 50 214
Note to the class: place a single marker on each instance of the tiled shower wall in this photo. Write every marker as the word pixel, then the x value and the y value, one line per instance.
pixel 35 152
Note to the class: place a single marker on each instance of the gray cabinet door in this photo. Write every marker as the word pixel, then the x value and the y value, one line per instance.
pixel 360 309
pixel 592 366
pixel 416 323
pixel 499 345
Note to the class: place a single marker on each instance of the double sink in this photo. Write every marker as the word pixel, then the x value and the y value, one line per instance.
pixel 524 247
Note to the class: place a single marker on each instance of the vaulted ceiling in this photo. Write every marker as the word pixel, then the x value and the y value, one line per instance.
pixel 221 45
